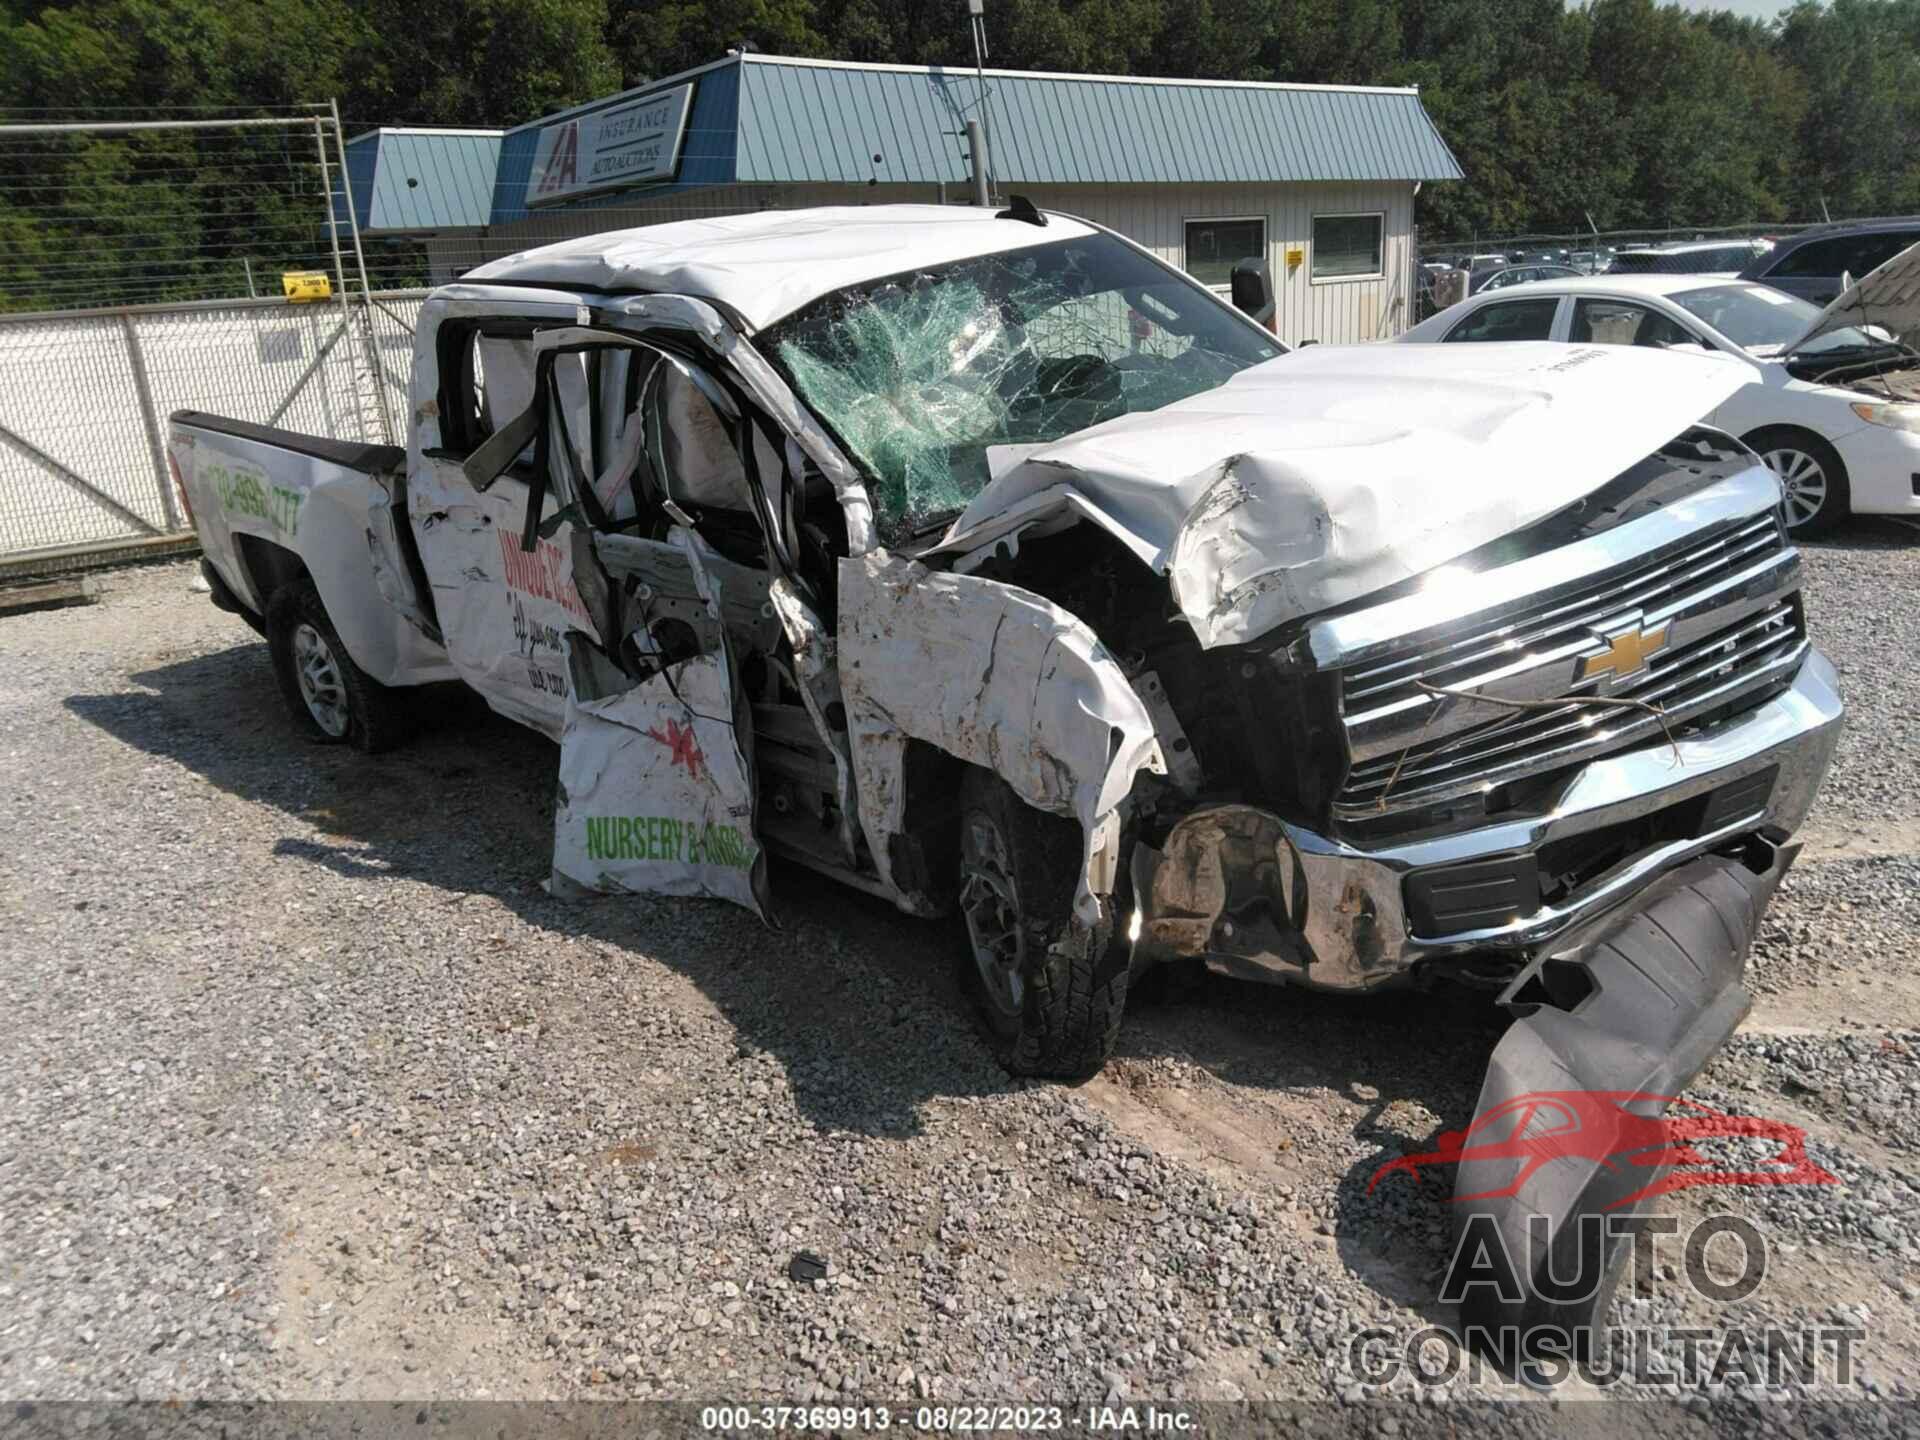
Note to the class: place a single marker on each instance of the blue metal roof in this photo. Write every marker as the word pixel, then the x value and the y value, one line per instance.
pixel 806 120
pixel 418 180
pixel 769 119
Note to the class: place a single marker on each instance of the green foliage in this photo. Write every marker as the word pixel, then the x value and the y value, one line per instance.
pixel 668 36
pixel 1632 112
pixel 474 62
pixel 91 219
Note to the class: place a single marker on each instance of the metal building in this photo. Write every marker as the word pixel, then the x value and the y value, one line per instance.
pixel 421 181
pixel 1320 180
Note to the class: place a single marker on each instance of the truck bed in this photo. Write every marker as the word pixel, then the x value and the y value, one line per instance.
pixel 348 454
pixel 277 507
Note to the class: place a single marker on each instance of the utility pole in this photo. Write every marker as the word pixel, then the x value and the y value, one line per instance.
pixel 983 157
pixel 977 158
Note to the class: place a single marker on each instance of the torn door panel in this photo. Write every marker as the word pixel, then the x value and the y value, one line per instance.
pixel 816 667
pixel 654 792
pixel 999 678
pixel 657 790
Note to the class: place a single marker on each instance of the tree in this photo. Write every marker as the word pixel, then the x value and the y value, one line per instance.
pixel 1859 137
pixel 86 219
pixel 478 62
pixel 652 38
pixel 1634 112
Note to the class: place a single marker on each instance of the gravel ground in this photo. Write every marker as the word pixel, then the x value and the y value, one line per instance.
pixel 312 1092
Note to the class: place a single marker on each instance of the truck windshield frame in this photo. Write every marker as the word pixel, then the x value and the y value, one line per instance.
pixel 934 379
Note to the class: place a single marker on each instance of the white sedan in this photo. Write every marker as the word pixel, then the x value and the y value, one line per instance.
pixel 1835 404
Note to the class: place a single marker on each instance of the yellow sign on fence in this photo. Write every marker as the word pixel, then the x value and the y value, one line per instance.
pixel 304 285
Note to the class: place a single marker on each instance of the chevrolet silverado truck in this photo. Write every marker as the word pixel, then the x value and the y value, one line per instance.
pixel 987 563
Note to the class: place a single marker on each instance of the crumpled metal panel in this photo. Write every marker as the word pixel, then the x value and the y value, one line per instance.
pixel 656 792
pixel 1333 472
pixel 1000 678
pixel 656 781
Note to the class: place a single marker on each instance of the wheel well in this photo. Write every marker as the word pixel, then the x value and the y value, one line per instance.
pixel 1756 438
pixel 1250 725
pixel 269 567
pixel 924 854
pixel 1762 431
pixel 1813 441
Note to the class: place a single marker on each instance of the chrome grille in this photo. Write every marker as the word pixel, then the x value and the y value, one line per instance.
pixel 1731 624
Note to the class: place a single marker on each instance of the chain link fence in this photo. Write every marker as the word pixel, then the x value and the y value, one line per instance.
pixel 128 246
pixel 85 396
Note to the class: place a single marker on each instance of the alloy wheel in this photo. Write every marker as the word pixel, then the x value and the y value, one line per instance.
pixel 1804 481
pixel 991 905
pixel 321 684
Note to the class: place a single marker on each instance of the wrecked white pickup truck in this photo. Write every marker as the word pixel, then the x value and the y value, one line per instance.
pixel 989 564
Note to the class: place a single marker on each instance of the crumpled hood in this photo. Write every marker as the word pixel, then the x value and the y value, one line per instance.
pixel 1332 472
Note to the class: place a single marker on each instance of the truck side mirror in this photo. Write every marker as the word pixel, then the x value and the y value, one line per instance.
pixel 1253 291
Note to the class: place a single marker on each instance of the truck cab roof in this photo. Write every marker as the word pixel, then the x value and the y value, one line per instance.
pixel 764 267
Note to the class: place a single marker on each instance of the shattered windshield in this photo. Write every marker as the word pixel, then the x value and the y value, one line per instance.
pixel 936 380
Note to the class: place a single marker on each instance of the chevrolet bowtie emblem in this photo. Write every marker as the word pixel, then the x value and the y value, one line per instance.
pixel 1626 654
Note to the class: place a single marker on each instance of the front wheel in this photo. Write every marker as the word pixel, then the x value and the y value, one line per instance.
pixel 1812 477
pixel 1048 993
pixel 330 697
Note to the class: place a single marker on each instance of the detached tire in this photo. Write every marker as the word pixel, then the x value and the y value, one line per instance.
pixel 332 699
pixel 1049 1001
pixel 1811 474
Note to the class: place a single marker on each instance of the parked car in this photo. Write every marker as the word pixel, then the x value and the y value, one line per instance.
pixel 1813 264
pixel 1520 275
pixel 992 566
pixel 1700 257
pixel 1820 411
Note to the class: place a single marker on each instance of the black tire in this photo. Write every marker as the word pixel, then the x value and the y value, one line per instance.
pixel 350 707
pixel 1787 450
pixel 1063 1016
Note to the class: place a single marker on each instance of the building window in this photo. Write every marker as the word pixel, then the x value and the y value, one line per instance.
pixel 1214 247
pixel 1349 247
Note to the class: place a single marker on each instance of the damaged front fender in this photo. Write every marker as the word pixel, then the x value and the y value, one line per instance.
pixel 1000 678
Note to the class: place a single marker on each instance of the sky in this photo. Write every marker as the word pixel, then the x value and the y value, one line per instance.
pixel 1752 9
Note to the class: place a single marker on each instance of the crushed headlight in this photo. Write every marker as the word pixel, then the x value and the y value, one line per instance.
pixel 1899 416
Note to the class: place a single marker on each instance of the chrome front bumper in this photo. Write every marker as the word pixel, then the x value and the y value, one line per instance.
pixel 1263 898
